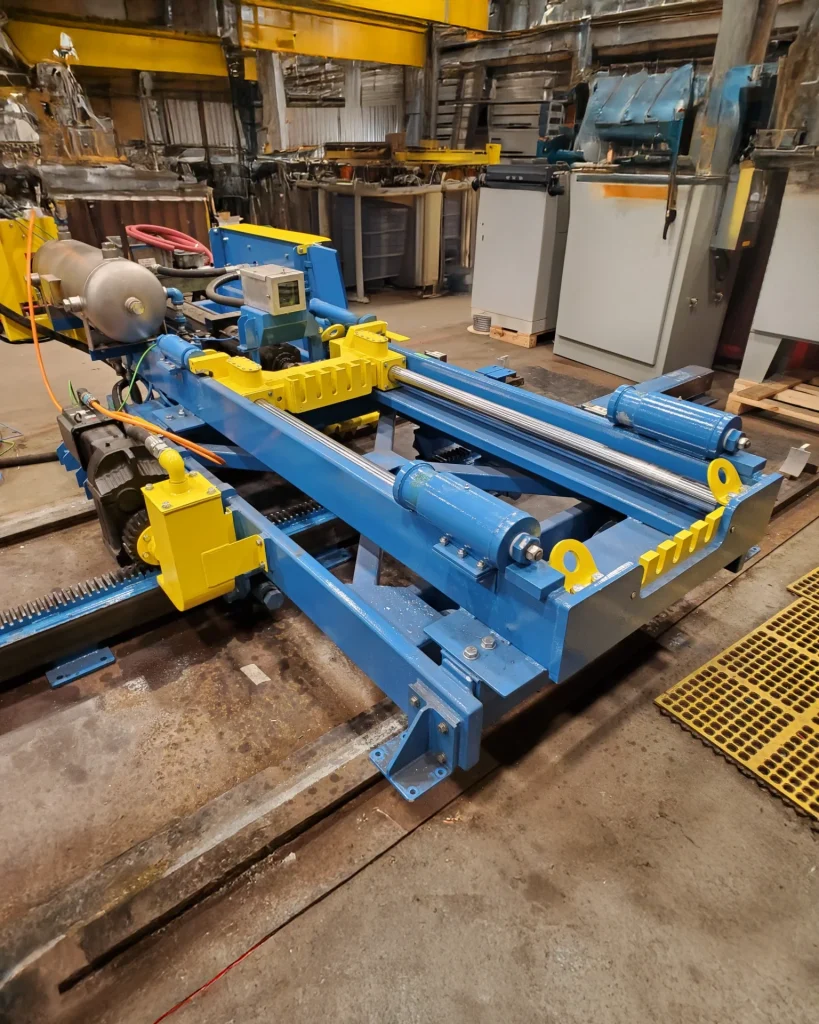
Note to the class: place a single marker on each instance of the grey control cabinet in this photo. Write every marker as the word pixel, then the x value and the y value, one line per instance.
pixel 521 240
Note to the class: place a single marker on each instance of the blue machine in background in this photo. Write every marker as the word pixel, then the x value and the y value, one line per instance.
pixel 496 603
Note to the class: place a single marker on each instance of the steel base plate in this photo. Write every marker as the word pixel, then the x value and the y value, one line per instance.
pixel 80 666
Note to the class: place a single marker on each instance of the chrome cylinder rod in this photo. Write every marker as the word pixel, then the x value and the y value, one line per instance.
pixel 317 437
pixel 692 492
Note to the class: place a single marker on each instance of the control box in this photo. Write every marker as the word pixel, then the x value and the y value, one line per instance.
pixel 274 289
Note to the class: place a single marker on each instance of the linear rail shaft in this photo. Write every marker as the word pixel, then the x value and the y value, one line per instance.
pixel 693 492
pixel 327 442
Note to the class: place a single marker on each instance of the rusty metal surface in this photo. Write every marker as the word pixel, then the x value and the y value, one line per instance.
pixel 92 219
pixel 95 767
pixel 86 925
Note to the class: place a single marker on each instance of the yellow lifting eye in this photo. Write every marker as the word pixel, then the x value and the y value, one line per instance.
pixel 585 569
pixel 723 480
pixel 333 331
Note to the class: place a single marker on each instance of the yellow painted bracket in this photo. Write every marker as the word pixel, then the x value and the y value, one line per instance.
pixel 360 360
pixel 13 270
pixel 223 564
pixel 585 569
pixel 723 480
pixel 725 483
pixel 193 539
pixel 669 553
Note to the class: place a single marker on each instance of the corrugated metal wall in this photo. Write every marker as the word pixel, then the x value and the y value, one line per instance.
pixel 514 102
pixel 185 128
pixel 373 107
pixel 515 111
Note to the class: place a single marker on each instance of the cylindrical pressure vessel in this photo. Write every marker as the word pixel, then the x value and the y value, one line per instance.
pixel 122 299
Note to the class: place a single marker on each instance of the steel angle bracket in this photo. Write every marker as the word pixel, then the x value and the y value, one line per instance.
pixel 427 751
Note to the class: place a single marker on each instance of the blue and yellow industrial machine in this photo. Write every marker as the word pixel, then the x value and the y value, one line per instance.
pixel 497 604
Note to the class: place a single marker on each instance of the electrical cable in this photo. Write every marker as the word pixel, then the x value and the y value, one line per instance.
pixel 127 395
pixel 197 449
pixel 27 460
pixel 32 318
pixel 225 300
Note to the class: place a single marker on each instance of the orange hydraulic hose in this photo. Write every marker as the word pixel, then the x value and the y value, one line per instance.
pixel 123 417
pixel 32 319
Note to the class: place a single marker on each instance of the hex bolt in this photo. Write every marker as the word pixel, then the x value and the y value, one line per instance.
pixel 166 504
pixel 443 728
pixel 470 653
pixel 488 643
pixel 481 563
pixel 744 442
pixel 211 490
pixel 462 552
pixel 634 595
pixel 135 305
pixel 259 542
pixel 444 541
pixel 441 758
pixel 533 552
pixel 149 487
pixel 415 700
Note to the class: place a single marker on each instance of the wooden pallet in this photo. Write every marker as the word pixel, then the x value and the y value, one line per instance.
pixel 795 398
pixel 497 333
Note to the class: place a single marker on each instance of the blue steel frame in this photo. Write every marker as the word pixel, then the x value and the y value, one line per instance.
pixel 419 643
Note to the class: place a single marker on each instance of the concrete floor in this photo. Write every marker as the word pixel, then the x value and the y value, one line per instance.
pixel 616 870
pixel 612 869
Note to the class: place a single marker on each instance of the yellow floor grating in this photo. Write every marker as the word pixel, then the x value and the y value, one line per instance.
pixel 758 703
pixel 807 587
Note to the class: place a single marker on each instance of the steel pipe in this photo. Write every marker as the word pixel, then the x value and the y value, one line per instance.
pixel 693 492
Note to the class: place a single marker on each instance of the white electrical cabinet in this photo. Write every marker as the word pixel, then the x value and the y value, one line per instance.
pixel 632 302
pixel 521 241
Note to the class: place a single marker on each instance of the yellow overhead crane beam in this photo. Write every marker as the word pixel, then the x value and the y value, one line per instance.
pixel 287 28
pixel 126 49
pixel 386 31
pixel 472 14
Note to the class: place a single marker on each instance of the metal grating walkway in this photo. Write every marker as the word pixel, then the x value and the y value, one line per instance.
pixel 758 702
pixel 807 586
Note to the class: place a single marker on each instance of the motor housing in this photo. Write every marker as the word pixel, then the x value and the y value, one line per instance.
pixel 117 466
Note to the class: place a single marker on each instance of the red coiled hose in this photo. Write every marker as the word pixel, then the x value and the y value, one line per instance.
pixel 169 239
